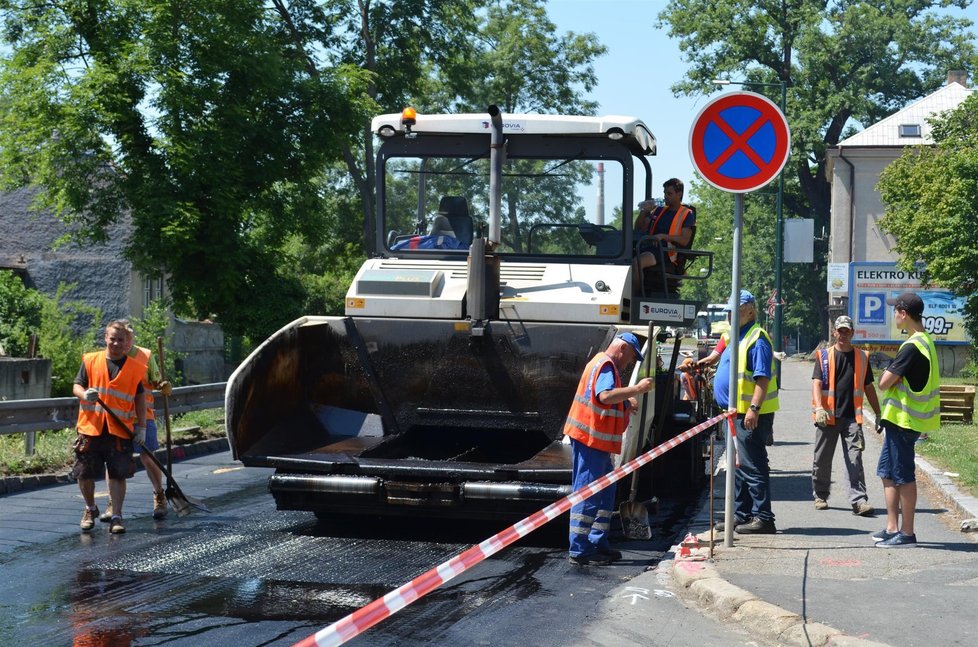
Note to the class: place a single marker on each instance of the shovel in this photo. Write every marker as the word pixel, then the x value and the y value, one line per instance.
pixel 181 503
pixel 171 490
pixel 634 515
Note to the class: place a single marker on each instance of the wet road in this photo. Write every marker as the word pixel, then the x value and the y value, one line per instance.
pixel 249 575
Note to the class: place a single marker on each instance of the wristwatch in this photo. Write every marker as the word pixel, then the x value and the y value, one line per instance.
pixel 755 408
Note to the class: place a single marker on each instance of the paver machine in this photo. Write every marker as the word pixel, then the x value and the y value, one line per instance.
pixel 444 388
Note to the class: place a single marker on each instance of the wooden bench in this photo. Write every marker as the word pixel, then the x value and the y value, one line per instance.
pixel 957 402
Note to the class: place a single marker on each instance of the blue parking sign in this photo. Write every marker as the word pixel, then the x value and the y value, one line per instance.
pixel 871 308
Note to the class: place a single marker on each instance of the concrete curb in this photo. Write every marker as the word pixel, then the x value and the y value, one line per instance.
pixel 20 483
pixel 701 581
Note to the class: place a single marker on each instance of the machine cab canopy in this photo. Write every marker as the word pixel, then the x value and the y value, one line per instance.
pixel 566 185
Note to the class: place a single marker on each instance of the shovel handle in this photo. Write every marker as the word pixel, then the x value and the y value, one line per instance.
pixel 166 402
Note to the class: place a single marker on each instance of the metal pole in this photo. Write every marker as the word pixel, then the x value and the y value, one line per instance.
pixel 779 254
pixel 732 345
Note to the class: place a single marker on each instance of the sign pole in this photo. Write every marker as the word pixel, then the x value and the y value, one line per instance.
pixel 733 344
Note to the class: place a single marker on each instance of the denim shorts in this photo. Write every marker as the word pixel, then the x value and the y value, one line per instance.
pixel 152 441
pixel 896 458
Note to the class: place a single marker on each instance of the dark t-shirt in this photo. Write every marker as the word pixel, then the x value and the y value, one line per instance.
pixel 845 367
pixel 913 365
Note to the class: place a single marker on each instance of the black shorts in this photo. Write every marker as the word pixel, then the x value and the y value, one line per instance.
pixel 95 454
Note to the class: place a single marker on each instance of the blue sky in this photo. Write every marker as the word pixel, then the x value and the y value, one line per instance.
pixel 641 64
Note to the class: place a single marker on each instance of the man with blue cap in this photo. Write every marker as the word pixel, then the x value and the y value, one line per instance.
pixel 595 425
pixel 757 400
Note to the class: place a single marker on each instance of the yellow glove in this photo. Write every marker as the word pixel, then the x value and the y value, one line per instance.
pixel 166 388
pixel 821 417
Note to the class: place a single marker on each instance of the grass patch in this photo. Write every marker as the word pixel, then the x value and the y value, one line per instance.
pixel 954 448
pixel 53 453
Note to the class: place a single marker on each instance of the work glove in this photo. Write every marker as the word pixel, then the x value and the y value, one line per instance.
pixel 821 417
pixel 166 388
pixel 879 426
pixel 139 434
pixel 91 395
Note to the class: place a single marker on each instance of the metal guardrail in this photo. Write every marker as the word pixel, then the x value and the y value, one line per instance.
pixel 25 416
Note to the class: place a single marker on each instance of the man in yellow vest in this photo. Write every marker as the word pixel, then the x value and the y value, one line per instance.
pixel 757 400
pixel 911 390
pixel 595 424
pixel 102 443
pixel 841 378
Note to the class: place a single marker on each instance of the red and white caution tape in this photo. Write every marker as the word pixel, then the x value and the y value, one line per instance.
pixel 731 414
pixel 362 619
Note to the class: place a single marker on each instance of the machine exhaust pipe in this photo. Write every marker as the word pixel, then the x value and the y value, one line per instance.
pixel 495 173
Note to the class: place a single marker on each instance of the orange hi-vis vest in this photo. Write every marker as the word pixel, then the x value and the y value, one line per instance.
pixel 827 361
pixel 118 394
pixel 596 425
pixel 144 355
pixel 675 228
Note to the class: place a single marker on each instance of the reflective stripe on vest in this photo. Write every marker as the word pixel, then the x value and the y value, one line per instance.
pixel 919 411
pixel 596 425
pixel 745 379
pixel 827 361
pixel 119 395
pixel 675 228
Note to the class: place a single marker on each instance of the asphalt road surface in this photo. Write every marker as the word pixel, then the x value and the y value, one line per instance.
pixel 250 575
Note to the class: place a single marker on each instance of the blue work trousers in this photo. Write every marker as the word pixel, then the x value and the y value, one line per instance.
pixel 753 478
pixel 590 520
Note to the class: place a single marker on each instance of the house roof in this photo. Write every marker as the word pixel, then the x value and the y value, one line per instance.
pixel 909 125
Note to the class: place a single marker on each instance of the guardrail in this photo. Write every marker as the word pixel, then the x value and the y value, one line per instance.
pixel 26 416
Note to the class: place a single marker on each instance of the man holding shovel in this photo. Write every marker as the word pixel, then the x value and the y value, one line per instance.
pixel 103 443
pixel 151 380
pixel 595 425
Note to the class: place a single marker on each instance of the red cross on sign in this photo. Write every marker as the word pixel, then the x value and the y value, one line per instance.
pixel 739 141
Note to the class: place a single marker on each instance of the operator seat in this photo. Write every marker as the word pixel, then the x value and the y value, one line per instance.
pixel 456 209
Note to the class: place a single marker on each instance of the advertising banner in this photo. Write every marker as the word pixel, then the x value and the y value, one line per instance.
pixel 871 284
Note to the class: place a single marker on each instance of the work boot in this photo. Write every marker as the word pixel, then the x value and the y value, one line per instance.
pixel 756 526
pixel 116 527
pixel 88 519
pixel 863 509
pixel 822 504
pixel 159 505
pixel 106 516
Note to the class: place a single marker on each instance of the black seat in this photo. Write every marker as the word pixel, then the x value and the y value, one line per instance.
pixel 456 209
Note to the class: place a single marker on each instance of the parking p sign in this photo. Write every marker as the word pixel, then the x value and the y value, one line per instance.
pixel 872 308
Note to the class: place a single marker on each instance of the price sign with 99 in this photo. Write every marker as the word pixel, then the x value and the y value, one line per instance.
pixel 937 325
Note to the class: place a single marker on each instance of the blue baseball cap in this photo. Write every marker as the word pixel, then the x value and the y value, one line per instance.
pixel 632 340
pixel 745 298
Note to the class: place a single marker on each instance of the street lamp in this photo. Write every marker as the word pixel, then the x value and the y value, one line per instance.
pixel 779 218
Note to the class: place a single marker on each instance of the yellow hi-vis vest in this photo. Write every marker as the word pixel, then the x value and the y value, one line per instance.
pixel 919 411
pixel 826 358
pixel 745 379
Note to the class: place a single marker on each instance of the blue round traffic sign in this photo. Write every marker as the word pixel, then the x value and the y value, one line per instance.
pixel 739 141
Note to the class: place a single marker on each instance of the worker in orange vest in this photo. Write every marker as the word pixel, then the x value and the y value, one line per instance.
pixel 842 377
pixel 671 228
pixel 103 443
pixel 595 425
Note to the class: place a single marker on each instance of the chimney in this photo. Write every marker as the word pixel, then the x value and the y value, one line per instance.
pixel 957 76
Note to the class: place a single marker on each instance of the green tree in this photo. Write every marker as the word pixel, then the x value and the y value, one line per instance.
pixel 152 325
pixel 935 189
pixel 20 314
pixel 199 119
pixel 59 343
pixel 841 61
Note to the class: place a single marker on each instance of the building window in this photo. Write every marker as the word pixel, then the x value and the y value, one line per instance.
pixel 909 130
pixel 152 290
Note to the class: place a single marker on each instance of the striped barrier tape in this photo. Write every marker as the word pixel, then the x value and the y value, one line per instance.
pixel 732 427
pixel 366 617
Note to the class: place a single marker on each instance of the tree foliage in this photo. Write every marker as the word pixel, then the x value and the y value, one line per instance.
pixel 840 61
pixel 931 206
pixel 20 314
pixel 200 120
pixel 58 340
